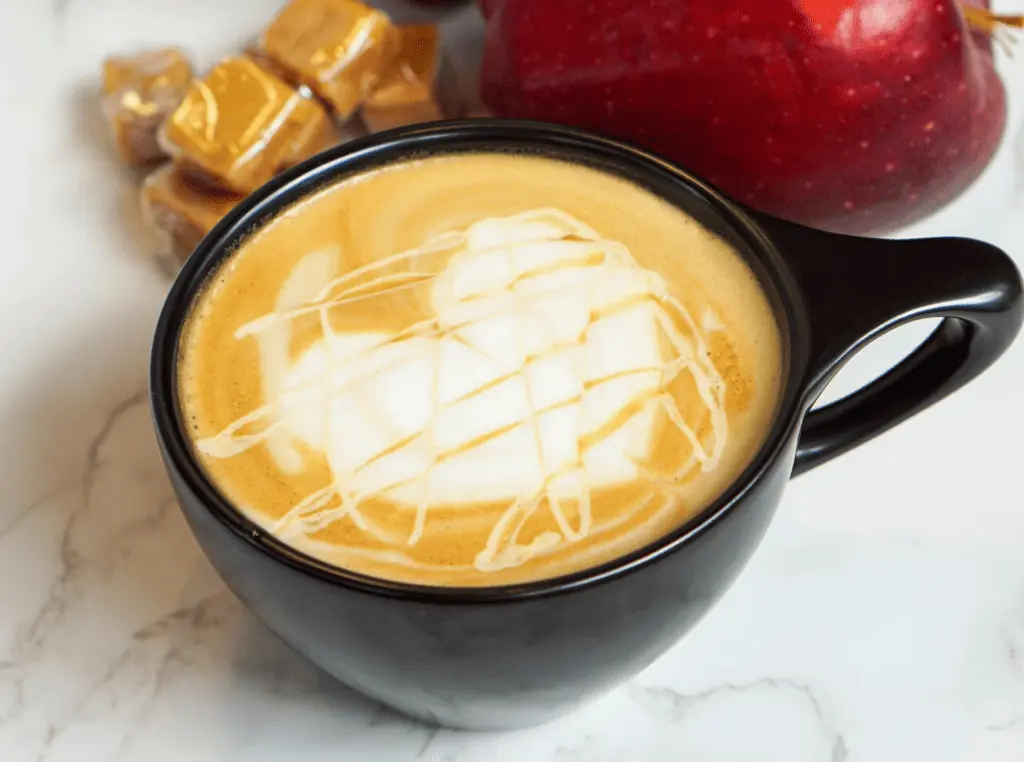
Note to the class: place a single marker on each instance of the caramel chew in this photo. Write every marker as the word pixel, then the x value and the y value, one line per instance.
pixel 407 92
pixel 178 211
pixel 338 48
pixel 240 124
pixel 138 93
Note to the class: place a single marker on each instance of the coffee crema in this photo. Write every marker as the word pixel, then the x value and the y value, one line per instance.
pixel 478 369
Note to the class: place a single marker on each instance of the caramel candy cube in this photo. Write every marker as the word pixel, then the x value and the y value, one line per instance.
pixel 338 48
pixel 407 91
pixel 138 93
pixel 241 124
pixel 179 211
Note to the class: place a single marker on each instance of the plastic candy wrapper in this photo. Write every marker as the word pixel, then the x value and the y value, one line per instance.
pixel 178 212
pixel 241 124
pixel 138 93
pixel 337 48
pixel 410 87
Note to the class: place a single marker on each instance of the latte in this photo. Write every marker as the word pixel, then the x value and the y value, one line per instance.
pixel 478 369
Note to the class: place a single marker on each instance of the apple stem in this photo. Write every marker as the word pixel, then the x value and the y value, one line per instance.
pixel 995 25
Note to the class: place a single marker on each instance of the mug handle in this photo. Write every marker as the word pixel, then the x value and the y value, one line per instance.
pixel 853 290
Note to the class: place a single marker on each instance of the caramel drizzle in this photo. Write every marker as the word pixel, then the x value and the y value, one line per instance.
pixel 502 549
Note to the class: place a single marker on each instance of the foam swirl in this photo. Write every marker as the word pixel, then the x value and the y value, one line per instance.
pixel 537 380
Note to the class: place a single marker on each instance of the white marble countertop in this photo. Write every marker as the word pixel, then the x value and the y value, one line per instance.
pixel 882 620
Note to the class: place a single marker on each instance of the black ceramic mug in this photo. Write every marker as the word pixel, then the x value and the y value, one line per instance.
pixel 521 654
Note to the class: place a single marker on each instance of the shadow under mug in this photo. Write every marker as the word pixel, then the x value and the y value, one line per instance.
pixel 518 655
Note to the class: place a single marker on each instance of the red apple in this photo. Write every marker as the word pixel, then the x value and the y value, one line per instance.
pixel 850 115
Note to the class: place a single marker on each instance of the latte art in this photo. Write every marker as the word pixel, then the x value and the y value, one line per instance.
pixel 477 369
pixel 536 381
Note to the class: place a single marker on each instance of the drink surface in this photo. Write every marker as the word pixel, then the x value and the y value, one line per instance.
pixel 478 369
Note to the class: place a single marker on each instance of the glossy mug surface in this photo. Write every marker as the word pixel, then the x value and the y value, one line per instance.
pixel 494 656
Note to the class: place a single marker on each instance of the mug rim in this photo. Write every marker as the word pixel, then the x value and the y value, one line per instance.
pixel 437 139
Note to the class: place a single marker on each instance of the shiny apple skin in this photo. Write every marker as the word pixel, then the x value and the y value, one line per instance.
pixel 855 117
